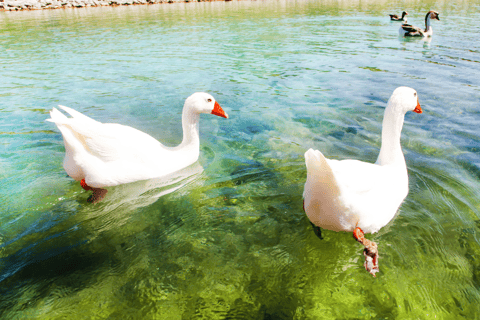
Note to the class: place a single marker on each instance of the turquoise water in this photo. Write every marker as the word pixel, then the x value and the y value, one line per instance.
pixel 227 238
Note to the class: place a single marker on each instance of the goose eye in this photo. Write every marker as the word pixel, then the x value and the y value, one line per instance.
pixel 414 94
pixel 209 100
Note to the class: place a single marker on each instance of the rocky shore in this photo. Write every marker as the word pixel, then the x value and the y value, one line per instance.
pixel 17 5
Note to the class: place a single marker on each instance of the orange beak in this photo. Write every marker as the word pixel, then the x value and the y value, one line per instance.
pixel 417 108
pixel 218 111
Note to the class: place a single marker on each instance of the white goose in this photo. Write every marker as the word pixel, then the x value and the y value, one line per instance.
pixel 108 154
pixel 352 195
pixel 407 30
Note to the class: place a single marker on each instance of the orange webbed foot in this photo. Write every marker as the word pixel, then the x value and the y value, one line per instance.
pixel 97 195
pixel 370 252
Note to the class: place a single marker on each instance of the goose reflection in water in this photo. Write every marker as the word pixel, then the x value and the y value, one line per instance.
pixel 143 193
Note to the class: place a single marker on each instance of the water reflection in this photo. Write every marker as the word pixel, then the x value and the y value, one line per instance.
pixel 143 193
pixel 425 40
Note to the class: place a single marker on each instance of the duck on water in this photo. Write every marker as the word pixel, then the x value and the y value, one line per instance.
pixel 407 30
pixel 394 17
pixel 360 197
pixel 101 155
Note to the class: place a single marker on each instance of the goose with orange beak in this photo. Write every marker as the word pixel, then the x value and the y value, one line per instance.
pixel 360 197
pixel 101 155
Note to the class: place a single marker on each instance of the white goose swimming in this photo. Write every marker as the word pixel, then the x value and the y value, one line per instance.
pixel 108 154
pixel 356 196
pixel 407 30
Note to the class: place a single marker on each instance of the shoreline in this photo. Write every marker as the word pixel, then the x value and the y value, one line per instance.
pixel 22 5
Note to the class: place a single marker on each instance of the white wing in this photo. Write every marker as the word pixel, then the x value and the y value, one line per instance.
pixel 107 141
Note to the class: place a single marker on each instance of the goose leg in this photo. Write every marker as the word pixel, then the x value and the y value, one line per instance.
pixel 317 230
pixel 97 195
pixel 84 185
pixel 370 252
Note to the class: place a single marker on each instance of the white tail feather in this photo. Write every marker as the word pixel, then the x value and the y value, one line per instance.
pixel 57 117
pixel 76 114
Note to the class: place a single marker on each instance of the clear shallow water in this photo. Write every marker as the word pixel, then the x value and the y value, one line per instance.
pixel 231 241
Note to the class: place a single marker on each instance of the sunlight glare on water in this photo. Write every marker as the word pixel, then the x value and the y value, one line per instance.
pixel 227 238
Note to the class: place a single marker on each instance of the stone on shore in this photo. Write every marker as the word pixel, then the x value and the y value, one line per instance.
pixel 17 5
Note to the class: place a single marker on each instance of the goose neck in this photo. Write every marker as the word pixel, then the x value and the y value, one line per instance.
pixel 191 136
pixel 427 22
pixel 391 150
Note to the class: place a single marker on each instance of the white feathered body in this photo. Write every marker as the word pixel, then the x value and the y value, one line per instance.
pixel 341 195
pixel 109 154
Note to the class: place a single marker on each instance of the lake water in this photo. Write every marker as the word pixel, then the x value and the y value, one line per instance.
pixel 227 238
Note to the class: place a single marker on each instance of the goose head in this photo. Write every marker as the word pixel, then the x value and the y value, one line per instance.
pixel 405 99
pixel 404 13
pixel 433 15
pixel 201 102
